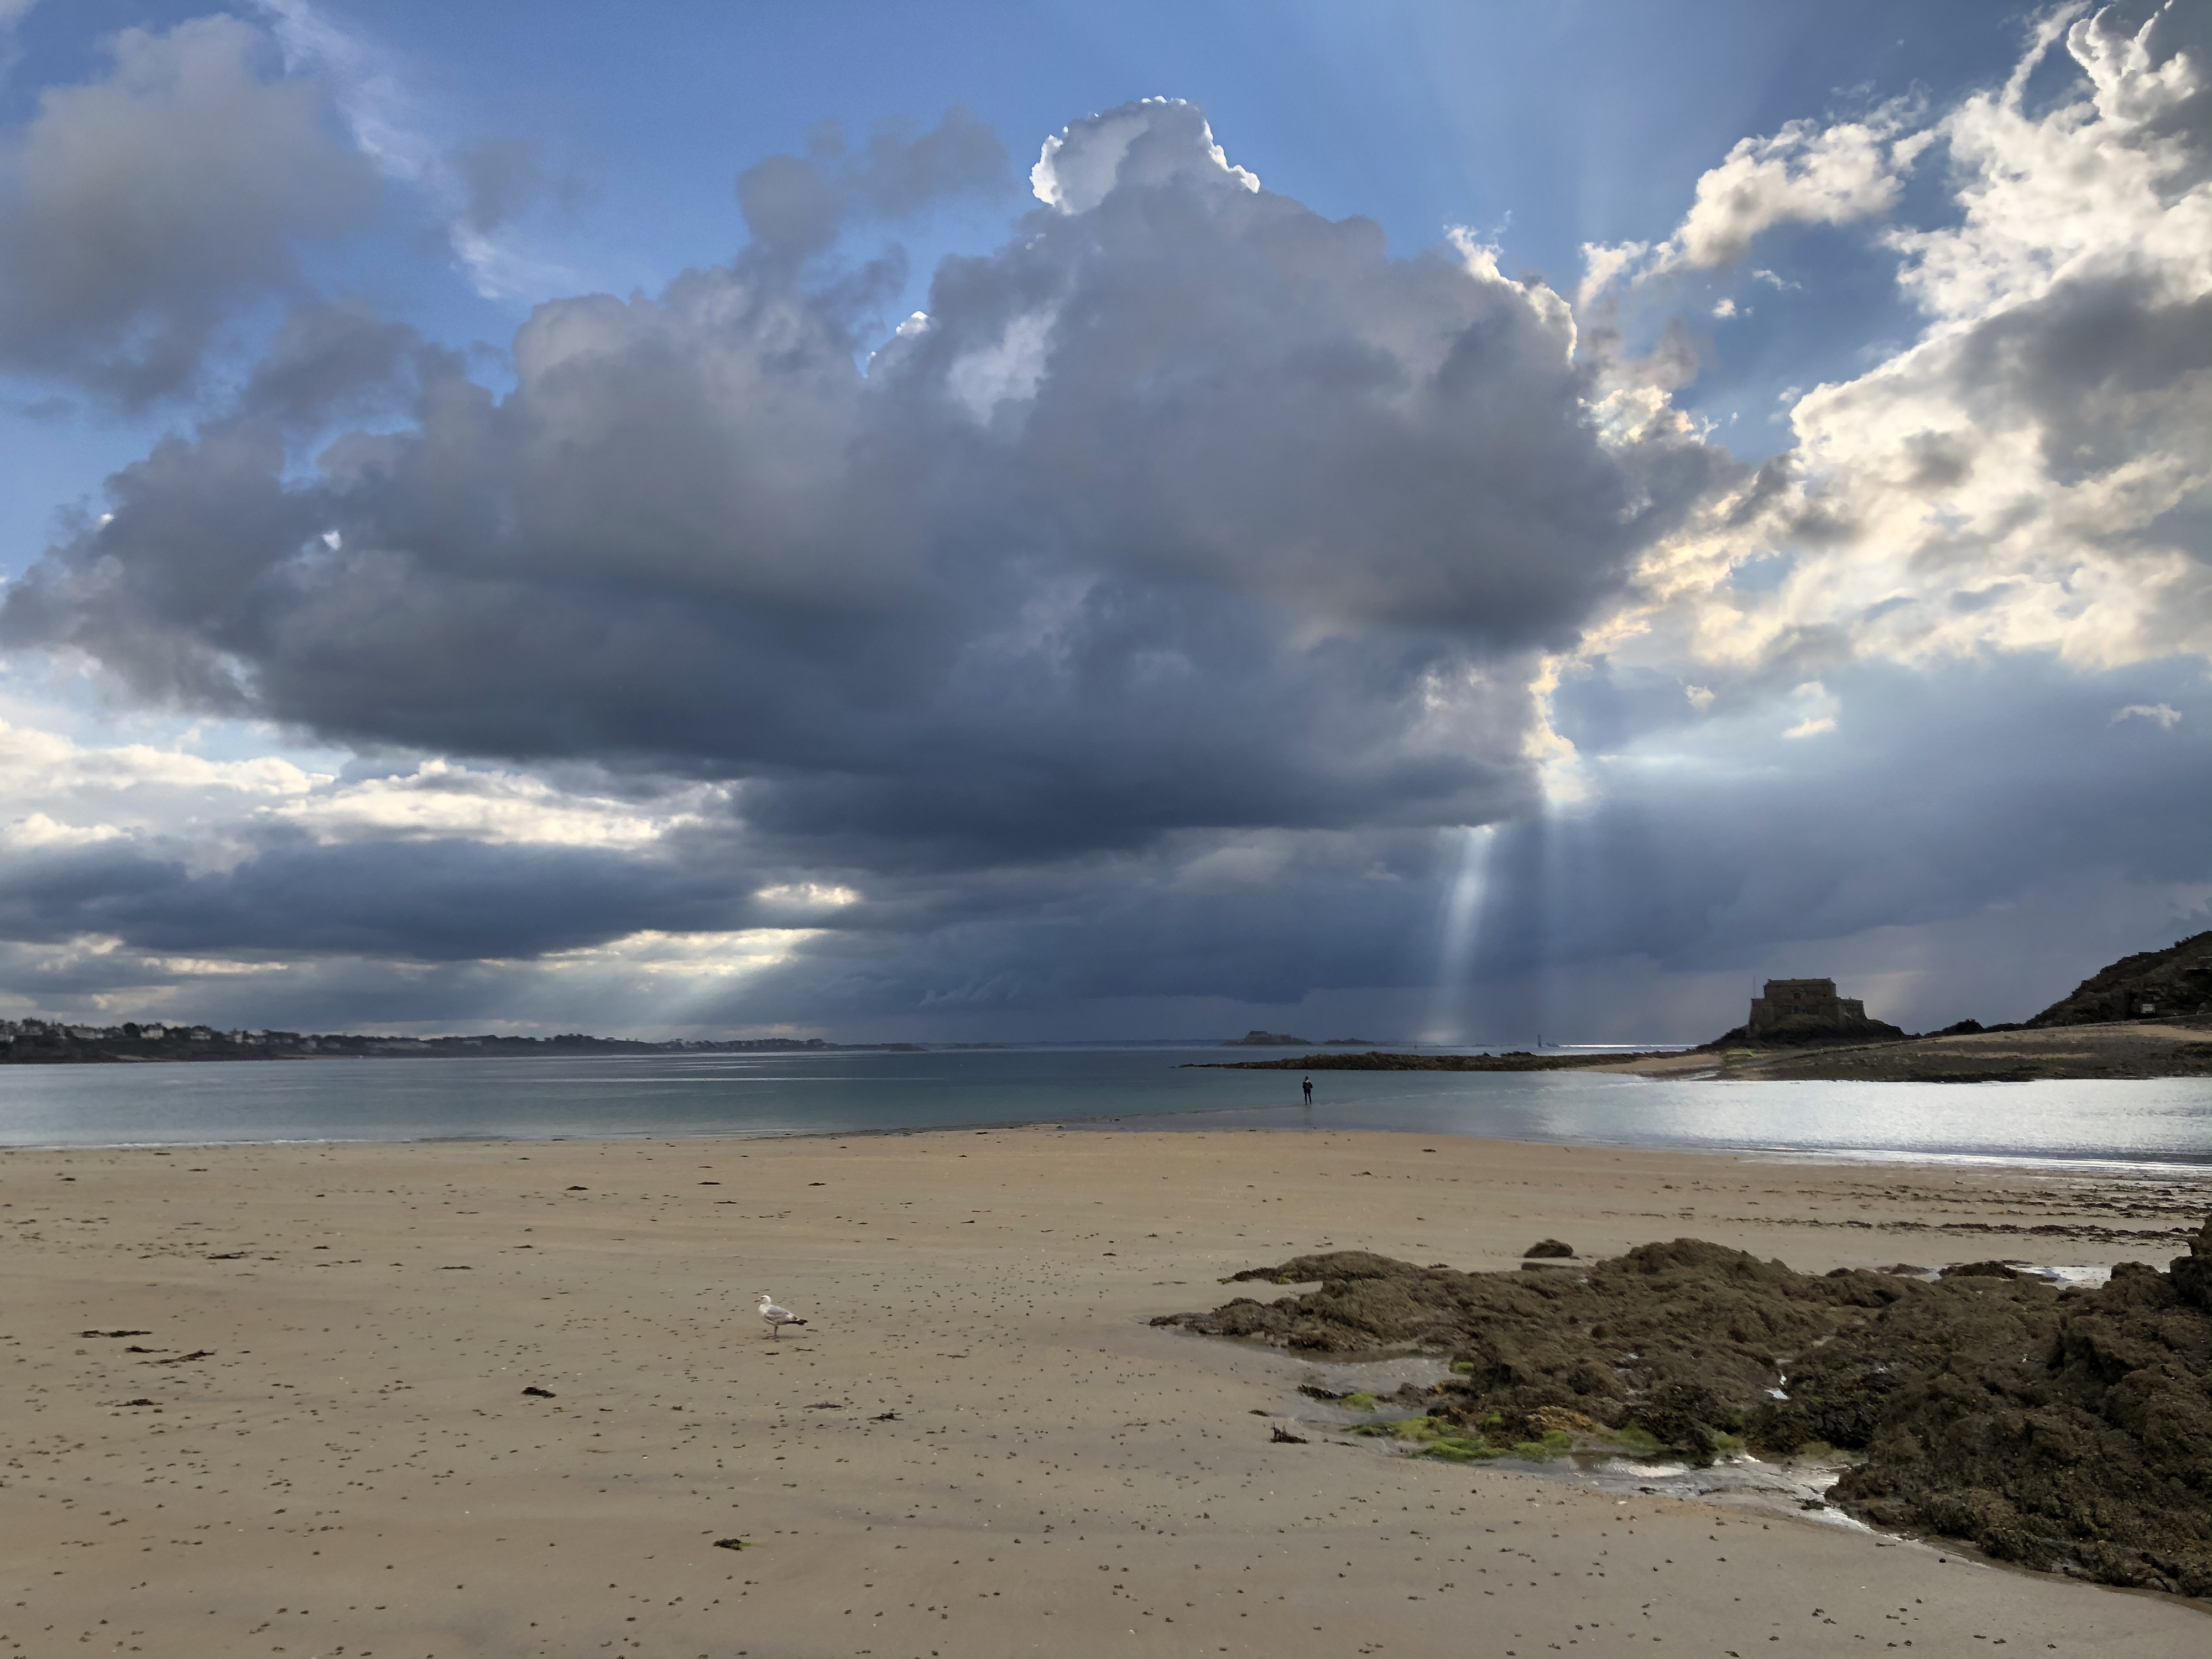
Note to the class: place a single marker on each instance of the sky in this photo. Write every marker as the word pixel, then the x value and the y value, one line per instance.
pixel 1421 522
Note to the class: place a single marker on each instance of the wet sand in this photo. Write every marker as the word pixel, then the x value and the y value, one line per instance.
pixel 977 1447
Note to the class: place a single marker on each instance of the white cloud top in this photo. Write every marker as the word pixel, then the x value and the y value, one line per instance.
pixel 440 800
pixel 1157 141
pixel 2028 475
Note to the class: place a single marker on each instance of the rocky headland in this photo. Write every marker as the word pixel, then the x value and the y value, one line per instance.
pixel 2173 983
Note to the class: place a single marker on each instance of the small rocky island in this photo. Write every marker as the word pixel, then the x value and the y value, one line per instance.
pixel 1800 1013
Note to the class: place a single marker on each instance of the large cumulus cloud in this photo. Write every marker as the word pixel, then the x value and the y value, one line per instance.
pixel 1187 507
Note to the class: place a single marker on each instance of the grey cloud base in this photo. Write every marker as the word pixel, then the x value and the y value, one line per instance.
pixel 1956 848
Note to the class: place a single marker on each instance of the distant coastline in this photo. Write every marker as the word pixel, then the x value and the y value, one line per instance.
pixel 2148 1015
pixel 53 1042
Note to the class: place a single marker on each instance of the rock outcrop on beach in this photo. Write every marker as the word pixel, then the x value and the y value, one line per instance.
pixel 2065 1429
pixel 2091 1451
pixel 2173 983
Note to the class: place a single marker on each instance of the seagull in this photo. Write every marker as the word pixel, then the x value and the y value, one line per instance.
pixel 777 1317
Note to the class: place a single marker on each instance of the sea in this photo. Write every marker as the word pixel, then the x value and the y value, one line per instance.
pixel 2160 1123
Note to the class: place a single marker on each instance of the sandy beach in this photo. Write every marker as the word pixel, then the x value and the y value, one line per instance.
pixel 304 1430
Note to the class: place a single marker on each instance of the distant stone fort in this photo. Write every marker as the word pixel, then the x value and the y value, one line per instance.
pixel 1801 1013
pixel 1795 1003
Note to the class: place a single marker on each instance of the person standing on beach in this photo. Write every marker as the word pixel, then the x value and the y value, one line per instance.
pixel 1307 1084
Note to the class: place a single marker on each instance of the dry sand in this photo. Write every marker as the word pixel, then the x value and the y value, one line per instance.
pixel 977 1447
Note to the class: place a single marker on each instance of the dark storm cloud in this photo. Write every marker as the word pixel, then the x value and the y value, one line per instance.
pixel 1939 799
pixel 138 209
pixel 1936 794
pixel 1189 508
pixel 1281 922
pixel 438 900
pixel 1942 800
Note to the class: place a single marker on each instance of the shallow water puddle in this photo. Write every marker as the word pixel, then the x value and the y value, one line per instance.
pixel 2088 1278
pixel 1374 1377
pixel 1794 1486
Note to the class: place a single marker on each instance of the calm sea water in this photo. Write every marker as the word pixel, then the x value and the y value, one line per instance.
pixel 2167 1121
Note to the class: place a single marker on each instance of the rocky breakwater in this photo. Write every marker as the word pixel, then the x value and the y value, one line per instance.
pixel 2065 1429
